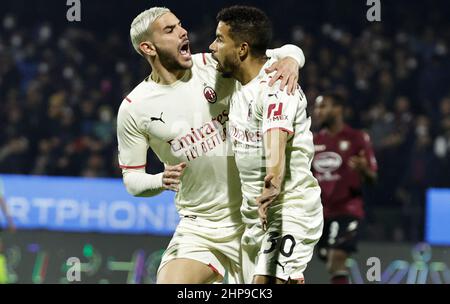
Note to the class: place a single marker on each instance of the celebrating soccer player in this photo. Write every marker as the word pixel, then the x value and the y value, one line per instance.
pixel 273 147
pixel 181 112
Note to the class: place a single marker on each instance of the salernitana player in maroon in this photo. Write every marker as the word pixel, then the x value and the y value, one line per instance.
pixel 343 162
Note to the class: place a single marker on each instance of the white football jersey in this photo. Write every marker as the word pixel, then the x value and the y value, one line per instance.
pixel 186 122
pixel 256 108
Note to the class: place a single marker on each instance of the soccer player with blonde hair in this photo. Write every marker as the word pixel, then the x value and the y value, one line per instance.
pixel 181 112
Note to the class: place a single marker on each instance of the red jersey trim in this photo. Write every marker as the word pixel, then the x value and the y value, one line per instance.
pixel 214 269
pixel 204 58
pixel 282 129
pixel 128 99
pixel 133 167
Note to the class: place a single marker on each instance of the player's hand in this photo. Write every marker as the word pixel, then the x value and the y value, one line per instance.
pixel 359 162
pixel 172 176
pixel 288 71
pixel 268 196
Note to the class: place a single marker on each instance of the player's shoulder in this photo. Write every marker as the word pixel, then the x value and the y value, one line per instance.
pixel 320 134
pixel 125 111
pixel 264 79
pixel 358 134
pixel 365 136
pixel 203 60
pixel 274 91
pixel 141 92
pixel 132 99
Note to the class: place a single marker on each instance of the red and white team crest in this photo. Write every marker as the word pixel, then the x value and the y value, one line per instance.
pixel 210 95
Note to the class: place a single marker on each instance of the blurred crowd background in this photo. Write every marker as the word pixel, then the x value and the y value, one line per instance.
pixel 61 84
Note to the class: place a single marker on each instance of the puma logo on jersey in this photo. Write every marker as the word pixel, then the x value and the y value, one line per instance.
pixel 272 95
pixel 158 119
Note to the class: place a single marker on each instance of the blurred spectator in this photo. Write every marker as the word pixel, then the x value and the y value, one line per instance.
pixel 442 145
pixel 417 177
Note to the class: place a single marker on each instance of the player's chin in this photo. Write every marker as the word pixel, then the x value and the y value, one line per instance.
pixel 220 68
pixel 225 73
pixel 186 62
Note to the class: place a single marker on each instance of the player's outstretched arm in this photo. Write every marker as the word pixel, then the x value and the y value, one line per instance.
pixel 365 162
pixel 275 146
pixel 288 50
pixel 140 184
pixel 361 164
pixel 133 146
pixel 290 59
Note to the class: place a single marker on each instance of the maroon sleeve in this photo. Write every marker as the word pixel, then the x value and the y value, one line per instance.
pixel 368 150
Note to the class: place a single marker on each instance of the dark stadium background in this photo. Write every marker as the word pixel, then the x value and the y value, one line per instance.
pixel 61 86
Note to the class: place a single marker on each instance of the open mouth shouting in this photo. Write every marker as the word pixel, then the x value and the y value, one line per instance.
pixel 185 50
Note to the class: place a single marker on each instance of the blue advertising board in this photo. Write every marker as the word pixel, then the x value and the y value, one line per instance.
pixel 85 205
pixel 437 223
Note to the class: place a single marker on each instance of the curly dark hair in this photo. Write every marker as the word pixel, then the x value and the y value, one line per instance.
pixel 248 24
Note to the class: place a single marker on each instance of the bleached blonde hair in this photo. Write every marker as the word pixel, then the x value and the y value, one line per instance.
pixel 139 30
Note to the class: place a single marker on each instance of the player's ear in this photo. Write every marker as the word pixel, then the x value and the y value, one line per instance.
pixel 244 50
pixel 148 48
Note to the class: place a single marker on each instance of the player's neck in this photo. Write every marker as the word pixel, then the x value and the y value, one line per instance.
pixel 336 127
pixel 163 76
pixel 249 69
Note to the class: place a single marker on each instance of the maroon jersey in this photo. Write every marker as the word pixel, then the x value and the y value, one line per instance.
pixel 341 185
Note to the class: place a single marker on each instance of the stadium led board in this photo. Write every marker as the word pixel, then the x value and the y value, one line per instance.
pixel 86 205
pixel 437 224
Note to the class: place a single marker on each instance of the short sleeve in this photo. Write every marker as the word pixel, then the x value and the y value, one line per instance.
pixel 278 110
pixel 133 144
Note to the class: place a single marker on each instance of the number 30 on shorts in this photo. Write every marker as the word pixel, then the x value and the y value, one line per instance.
pixel 286 244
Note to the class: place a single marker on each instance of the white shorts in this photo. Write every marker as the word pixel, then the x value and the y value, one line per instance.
pixel 219 248
pixel 283 251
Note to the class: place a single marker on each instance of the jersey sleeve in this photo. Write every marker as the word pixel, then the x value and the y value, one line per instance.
pixel 133 144
pixel 206 63
pixel 277 109
pixel 288 50
pixel 368 151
